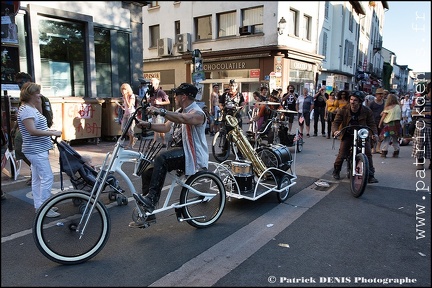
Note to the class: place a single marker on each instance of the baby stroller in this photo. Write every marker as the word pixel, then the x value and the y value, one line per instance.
pixel 82 175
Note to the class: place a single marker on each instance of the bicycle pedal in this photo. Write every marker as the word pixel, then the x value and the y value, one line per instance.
pixel 141 225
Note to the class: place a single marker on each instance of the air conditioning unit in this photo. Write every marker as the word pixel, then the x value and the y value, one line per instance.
pixel 247 30
pixel 184 42
pixel 164 47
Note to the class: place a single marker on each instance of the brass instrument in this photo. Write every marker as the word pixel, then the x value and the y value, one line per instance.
pixel 244 146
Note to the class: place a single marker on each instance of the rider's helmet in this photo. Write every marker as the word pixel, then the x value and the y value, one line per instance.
pixel 359 94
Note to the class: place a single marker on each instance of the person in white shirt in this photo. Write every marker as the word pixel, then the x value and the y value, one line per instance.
pixel 406 106
pixel 36 144
pixel 215 110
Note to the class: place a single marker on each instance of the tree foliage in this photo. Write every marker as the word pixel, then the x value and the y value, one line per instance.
pixel 61 41
pixel 387 71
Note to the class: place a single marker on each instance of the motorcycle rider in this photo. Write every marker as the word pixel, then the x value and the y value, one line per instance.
pixel 353 114
pixel 232 100
pixel 289 100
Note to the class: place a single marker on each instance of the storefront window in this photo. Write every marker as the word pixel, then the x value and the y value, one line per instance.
pixel 123 56
pixel 62 55
pixel 103 62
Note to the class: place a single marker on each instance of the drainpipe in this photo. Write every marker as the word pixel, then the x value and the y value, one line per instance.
pixel 342 39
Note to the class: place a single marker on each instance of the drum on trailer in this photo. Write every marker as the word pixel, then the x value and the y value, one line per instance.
pixel 243 175
pixel 277 156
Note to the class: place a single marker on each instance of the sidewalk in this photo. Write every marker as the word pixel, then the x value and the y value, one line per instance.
pixel 316 159
pixel 96 151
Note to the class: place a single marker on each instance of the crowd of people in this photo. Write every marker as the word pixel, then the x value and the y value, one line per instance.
pixel 391 115
pixel 384 113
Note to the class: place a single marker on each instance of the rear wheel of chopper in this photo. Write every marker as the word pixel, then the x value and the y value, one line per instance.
pixel 359 180
pixel 198 211
pixel 61 239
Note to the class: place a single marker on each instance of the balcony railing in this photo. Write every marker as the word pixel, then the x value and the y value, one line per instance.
pixel 377 46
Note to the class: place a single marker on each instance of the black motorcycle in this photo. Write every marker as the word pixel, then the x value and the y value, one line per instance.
pixel 357 161
pixel 222 145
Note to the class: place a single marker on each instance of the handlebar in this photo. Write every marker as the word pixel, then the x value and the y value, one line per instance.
pixel 358 127
pixel 133 117
pixel 225 111
pixel 54 139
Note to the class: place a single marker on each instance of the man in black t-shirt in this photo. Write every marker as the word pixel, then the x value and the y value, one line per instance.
pixel 289 100
pixel 232 101
pixel 320 99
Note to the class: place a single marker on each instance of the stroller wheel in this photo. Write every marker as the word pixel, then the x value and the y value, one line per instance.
pixel 122 200
pixel 112 196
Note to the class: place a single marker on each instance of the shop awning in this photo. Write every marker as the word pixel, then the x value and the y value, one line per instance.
pixel 226 80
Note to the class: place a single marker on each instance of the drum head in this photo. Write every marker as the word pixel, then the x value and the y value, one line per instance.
pixel 241 168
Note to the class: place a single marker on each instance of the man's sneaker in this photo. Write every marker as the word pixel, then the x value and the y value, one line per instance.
pixel 52 214
pixel 372 179
pixel 145 201
pixel 143 224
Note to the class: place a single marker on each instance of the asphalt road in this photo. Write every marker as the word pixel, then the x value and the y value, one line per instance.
pixel 317 237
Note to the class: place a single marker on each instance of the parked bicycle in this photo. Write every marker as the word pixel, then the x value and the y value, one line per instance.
pixel 10 166
pixel 357 161
pixel 84 226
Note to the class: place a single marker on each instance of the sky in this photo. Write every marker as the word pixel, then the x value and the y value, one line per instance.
pixel 407 30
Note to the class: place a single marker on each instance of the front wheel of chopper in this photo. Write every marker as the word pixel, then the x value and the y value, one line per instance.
pixel 299 145
pixel 62 239
pixel 359 178
pixel 221 146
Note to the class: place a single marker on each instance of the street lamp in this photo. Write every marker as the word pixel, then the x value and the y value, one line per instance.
pixel 281 25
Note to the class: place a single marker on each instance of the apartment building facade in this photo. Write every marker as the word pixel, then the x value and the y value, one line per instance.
pixel 272 43
pixel 89 48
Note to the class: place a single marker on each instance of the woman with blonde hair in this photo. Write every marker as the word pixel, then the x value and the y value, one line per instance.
pixel 129 99
pixel 332 104
pixel 36 144
pixel 390 125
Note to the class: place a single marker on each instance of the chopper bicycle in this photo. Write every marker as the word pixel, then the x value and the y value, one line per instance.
pixel 84 226
pixel 269 168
